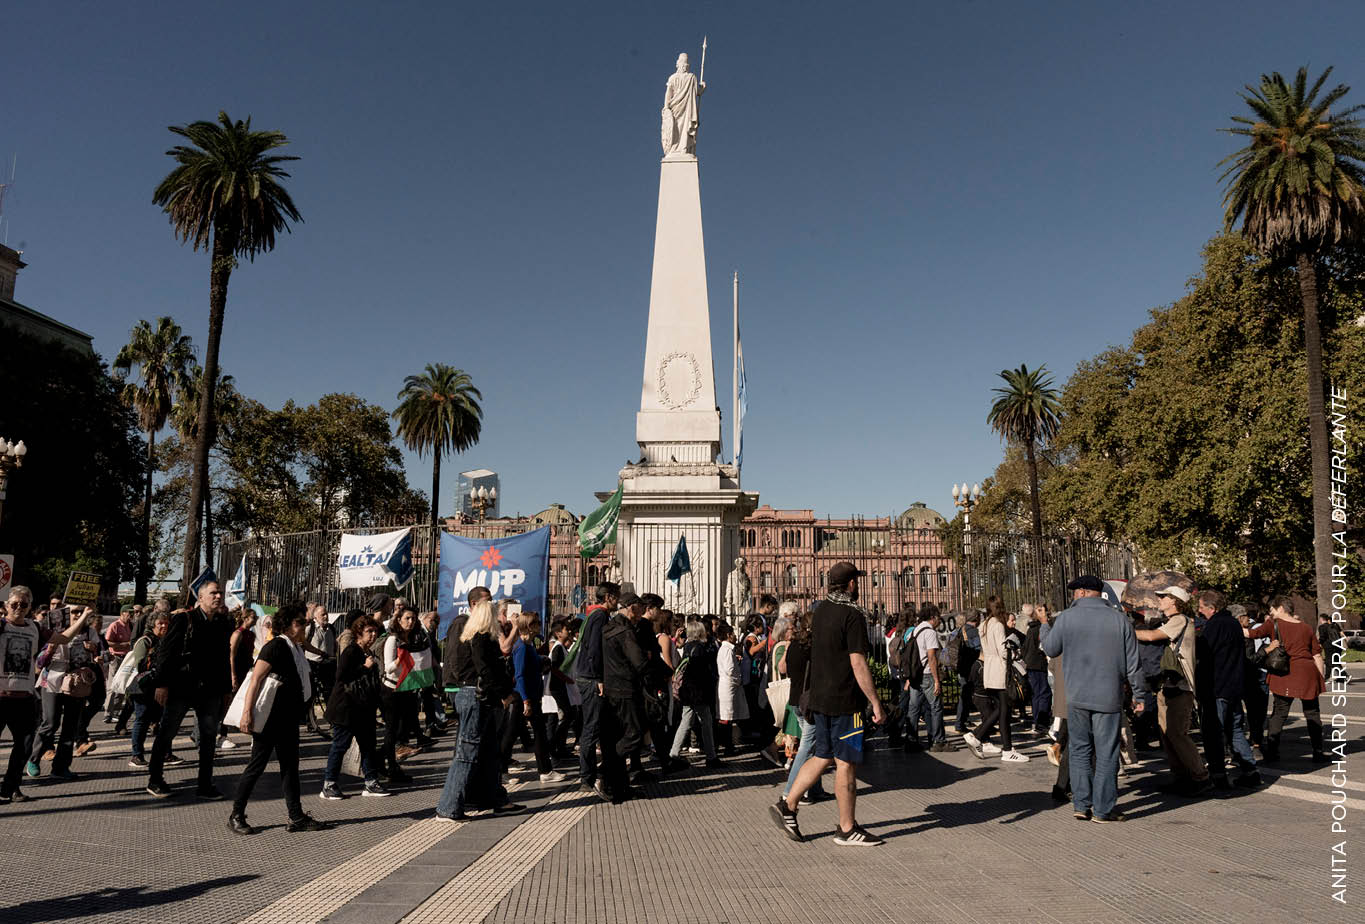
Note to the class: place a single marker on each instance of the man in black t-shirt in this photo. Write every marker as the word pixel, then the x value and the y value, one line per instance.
pixel 838 686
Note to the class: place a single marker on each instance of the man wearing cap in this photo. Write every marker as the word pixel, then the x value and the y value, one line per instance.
pixel 623 667
pixel 838 685
pixel 1175 704
pixel 1101 652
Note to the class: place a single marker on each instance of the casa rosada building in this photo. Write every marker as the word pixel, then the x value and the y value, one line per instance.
pixel 788 553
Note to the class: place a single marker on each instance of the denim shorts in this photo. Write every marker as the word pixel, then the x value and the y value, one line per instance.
pixel 839 737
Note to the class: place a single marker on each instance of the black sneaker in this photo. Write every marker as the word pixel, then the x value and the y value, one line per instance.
pixel 16 796
pixel 813 796
pixel 137 763
pixel 307 823
pixel 1081 816
pixel 159 789
pixel 509 808
pixel 786 820
pixel 331 792
pixel 172 761
pixel 857 836
pixel 374 790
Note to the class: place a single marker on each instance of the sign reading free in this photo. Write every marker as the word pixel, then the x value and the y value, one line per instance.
pixel 82 589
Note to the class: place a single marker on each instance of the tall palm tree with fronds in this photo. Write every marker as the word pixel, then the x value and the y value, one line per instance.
pixel 1298 188
pixel 224 195
pixel 185 419
pixel 162 356
pixel 439 411
pixel 1027 411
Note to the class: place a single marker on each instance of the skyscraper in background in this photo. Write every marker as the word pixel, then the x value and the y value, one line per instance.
pixel 469 482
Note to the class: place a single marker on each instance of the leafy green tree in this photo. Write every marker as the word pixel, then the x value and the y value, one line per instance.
pixel 1025 412
pixel 1298 188
pixel 162 356
pixel 224 195
pixel 84 477
pixel 439 411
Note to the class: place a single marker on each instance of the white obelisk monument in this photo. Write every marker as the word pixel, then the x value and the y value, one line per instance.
pixel 678 488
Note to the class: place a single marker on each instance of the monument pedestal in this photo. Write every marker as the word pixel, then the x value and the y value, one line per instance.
pixel 679 489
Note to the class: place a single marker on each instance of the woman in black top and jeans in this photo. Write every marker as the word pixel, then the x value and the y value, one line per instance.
pixel 351 708
pixel 283 658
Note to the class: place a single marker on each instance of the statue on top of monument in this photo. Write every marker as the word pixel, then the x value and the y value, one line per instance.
pixel 680 116
pixel 739 599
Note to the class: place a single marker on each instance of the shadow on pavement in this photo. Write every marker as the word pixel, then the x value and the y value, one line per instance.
pixel 106 901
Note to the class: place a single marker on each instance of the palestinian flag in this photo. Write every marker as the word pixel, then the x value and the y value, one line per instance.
pixel 414 669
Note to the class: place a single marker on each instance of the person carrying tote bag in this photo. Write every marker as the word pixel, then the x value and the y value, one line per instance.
pixel 278 732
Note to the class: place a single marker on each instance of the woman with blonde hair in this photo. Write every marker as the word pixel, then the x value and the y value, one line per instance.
pixel 478 686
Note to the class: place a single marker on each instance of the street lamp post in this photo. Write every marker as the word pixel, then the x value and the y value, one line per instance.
pixel 481 498
pixel 11 457
pixel 965 499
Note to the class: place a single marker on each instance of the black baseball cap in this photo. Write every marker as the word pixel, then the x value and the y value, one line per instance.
pixel 842 573
pixel 1087 582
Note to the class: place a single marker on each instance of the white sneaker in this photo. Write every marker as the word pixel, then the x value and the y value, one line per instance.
pixel 226 744
pixel 989 749
pixel 554 776
pixel 975 744
pixel 1013 757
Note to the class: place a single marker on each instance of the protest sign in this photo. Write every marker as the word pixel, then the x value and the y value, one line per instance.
pixel 82 589
pixel 517 568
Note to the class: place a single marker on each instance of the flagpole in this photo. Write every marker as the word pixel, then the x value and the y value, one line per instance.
pixel 734 377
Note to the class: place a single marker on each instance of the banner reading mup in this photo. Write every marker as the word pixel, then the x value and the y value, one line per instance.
pixel 517 567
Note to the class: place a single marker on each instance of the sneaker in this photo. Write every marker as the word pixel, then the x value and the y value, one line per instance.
pixel 1108 819
pixel 1081 816
pixel 63 775
pixel 173 760
pixel 331 792
pixel 159 789
pixel 1014 757
pixel 452 819
pixel 374 789
pixel 942 747
pixel 554 776
pixel 857 836
pixel 771 758
pixel 32 770
pixel 226 744
pixel 786 820
pixel 989 749
pixel 509 808
pixel 85 747
pixel 307 823
pixel 137 763
pixel 812 796
pixel 972 742
pixel 16 796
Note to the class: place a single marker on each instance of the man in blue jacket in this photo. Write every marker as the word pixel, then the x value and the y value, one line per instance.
pixel 1101 652
pixel 588 676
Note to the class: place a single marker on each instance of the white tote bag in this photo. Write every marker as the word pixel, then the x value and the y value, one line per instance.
pixel 124 675
pixel 265 699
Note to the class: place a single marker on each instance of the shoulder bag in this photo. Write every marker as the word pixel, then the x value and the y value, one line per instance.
pixel 1171 671
pixel 1276 659
pixel 260 711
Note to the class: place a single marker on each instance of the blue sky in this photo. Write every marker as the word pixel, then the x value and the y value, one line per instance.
pixel 915 196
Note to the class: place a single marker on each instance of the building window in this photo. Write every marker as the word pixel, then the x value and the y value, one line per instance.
pixel 822 579
pixel 751 539
pixel 876 579
pixel 924 577
pixel 766 580
pixel 796 539
pixel 563 576
pixel 942 577
pixel 791 576
pixel 742 537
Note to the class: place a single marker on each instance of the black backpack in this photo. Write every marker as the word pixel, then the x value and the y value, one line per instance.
pixel 912 668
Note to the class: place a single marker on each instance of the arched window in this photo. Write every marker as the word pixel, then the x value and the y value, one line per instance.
pixel 766 580
pixel 592 575
pixel 924 577
pixel 942 577
pixel 751 539
pixel 796 536
pixel 785 539
pixel 791 576
pixel 742 538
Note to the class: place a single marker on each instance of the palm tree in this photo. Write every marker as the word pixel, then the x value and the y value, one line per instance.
pixel 185 419
pixel 1299 189
pixel 225 196
pixel 161 355
pixel 1027 411
pixel 439 411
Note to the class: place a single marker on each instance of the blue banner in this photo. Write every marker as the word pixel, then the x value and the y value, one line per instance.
pixel 515 568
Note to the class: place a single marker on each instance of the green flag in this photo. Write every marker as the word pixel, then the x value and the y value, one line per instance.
pixel 598 529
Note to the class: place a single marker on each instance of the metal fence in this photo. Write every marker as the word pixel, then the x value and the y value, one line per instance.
pixel 906 566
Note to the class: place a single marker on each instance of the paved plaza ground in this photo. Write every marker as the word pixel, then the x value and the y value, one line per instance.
pixel 967 841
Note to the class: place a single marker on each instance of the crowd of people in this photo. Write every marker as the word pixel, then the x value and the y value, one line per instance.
pixel 630 692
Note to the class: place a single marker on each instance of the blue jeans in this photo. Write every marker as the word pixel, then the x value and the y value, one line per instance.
pixel 1042 699
pixel 1230 715
pixel 473 777
pixel 342 736
pixel 802 753
pixel 145 712
pixel 1093 735
pixel 591 731
pixel 964 701
pixel 925 700
pixel 702 714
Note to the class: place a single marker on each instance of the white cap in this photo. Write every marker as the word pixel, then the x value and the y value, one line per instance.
pixel 1179 593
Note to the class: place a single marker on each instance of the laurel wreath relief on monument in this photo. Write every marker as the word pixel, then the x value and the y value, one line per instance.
pixel 692 383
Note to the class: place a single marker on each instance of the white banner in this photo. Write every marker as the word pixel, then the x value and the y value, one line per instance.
pixel 364 561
